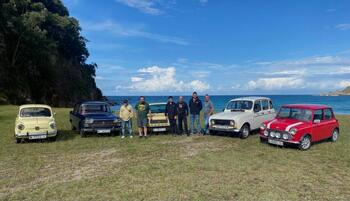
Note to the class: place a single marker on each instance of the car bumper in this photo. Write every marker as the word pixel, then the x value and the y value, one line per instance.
pixel 158 128
pixel 285 142
pixel 37 135
pixel 232 130
pixel 101 130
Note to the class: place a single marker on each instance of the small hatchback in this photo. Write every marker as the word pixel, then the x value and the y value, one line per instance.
pixel 35 122
pixel 301 124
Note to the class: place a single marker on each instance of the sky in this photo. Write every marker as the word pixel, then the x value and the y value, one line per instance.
pixel 221 47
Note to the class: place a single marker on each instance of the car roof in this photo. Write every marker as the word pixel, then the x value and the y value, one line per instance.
pixel 251 98
pixel 93 102
pixel 163 103
pixel 307 106
pixel 34 105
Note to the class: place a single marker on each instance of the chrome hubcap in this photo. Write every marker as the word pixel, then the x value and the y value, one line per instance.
pixel 335 135
pixel 245 131
pixel 305 143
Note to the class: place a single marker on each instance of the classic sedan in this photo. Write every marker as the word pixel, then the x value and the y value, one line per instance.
pixel 35 122
pixel 301 124
pixel 94 117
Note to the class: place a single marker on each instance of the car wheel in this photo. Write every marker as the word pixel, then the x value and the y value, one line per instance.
pixel 53 139
pixel 18 140
pixel 72 127
pixel 305 143
pixel 245 131
pixel 82 133
pixel 335 135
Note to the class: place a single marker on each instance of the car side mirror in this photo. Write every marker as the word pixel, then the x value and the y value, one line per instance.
pixel 317 121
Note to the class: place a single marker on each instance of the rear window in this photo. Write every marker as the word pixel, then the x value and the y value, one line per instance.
pixel 265 104
pixel 35 112
pixel 328 114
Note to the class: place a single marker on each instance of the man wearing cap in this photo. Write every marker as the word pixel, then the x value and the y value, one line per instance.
pixel 182 114
pixel 171 113
pixel 126 115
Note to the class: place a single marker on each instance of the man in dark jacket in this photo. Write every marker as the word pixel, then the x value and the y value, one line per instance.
pixel 171 113
pixel 195 106
pixel 182 114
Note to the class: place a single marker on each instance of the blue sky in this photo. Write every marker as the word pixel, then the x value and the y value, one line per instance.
pixel 161 47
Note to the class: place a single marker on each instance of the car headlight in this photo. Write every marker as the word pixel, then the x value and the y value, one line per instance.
pixel 89 121
pixel 232 123
pixel 212 122
pixel 20 126
pixel 263 127
pixel 53 125
pixel 293 131
pixel 272 134
pixel 285 136
pixel 266 133
pixel 278 135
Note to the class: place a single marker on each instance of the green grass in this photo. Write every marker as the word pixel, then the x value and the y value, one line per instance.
pixel 168 168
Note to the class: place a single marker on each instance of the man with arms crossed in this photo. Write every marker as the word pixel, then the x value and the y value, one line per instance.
pixel 171 113
pixel 195 105
pixel 126 115
pixel 142 110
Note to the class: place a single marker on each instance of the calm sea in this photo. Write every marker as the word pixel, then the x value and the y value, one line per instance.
pixel 340 104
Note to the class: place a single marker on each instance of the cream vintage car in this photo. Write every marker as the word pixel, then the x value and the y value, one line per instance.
pixel 157 121
pixel 35 122
pixel 242 115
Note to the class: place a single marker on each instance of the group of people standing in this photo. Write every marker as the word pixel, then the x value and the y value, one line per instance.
pixel 177 114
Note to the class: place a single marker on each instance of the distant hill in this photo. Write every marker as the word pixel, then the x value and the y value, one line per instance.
pixel 344 92
pixel 43 55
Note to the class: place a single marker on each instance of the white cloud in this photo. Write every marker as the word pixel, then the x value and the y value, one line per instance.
pixel 343 84
pixel 200 74
pixel 276 83
pixel 134 31
pixel 157 79
pixel 145 6
pixel 343 26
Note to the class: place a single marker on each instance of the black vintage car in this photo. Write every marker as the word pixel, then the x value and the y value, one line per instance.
pixel 94 117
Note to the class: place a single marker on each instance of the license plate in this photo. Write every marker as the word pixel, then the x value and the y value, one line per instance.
pixel 32 137
pixel 103 131
pixel 159 129
pixel 222 127
pixel 276 142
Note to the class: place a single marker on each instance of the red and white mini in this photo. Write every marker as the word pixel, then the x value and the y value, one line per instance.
pixel 302 125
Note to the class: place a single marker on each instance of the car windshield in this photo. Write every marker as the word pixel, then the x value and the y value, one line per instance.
pixel 159 108
pixel 239 105
pixel 35 112
pixel 295 113
pixel 95 108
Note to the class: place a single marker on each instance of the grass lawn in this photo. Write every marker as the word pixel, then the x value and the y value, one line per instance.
pixel 168 168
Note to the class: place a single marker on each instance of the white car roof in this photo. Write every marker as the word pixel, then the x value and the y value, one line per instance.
pixel 157 103
pixel 251 98
pixel 34 105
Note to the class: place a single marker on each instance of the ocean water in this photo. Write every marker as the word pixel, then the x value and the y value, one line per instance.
pixel 340 104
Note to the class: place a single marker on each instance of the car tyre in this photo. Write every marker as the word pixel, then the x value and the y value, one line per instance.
pixel 18 140
pixel 245 131
pixel 73 128
pixel 82 133
pixel 335 135
pixel 305 143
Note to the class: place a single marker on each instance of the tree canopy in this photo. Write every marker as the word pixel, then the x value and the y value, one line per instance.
pixel 43 57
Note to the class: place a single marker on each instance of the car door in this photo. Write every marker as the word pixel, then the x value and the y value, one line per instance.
pixel 329 122
pixel 319 125
pixel 75 114
pixel 266 109
pixel 258 115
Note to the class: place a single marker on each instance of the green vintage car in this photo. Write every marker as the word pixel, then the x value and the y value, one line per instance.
pixel 35 122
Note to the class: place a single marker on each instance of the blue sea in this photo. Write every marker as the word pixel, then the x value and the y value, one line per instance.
pixel 340 104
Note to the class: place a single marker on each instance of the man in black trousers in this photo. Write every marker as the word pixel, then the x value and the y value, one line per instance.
pixel 182 114
pixel 171 113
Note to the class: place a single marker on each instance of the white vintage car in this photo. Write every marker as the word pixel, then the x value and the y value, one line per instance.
pixel 242 115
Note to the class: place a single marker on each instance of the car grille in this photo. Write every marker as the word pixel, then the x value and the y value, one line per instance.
pixel 222 122
pixel 162 121
pixel 102 124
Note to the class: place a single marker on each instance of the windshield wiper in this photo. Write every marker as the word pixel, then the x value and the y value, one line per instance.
pixel 237 110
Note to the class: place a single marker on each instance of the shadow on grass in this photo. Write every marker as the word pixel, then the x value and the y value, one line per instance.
pixel 66 135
